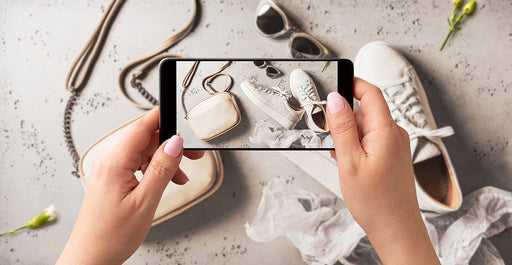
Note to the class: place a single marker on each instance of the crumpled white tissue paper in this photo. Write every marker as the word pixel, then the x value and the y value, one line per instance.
pixel 324 236
pixel 279 137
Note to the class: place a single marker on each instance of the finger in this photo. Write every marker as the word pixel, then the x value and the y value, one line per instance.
pixel 374 108
pixel 153 145
pixel 143 167
pixel 333 154
pixel 343 130
pixel 360 124
pixel 194 154
pixel 131 148
pixel 161 170
pixel 180 177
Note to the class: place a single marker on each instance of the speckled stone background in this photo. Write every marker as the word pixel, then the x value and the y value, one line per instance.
pixel 468 84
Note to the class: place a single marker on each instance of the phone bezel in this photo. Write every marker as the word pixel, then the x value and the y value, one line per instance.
pixel 168 97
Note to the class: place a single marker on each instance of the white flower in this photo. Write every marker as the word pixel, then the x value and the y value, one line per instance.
pixel 44 217
pixel 51 212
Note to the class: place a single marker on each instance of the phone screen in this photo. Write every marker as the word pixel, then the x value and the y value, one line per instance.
pixel 251 104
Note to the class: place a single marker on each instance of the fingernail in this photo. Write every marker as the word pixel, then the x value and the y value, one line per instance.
pixel 173 146
pixel 335 103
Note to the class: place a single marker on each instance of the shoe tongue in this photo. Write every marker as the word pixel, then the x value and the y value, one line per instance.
pixel 315 109
pixel 423 149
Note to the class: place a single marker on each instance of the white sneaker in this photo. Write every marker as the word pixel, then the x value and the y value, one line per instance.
pixel 437 186
pixel 305 92
pixel 274 102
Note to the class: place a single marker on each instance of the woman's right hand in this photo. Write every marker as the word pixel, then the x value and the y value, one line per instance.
pixel 377 177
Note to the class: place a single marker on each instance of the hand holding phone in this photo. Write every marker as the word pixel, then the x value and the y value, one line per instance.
pixel 250 103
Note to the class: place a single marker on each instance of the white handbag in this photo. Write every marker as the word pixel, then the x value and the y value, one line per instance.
pixel 215 115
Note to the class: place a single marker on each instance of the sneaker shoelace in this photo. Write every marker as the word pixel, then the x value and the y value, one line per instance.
pixel 309 95
pixel 275 91
pixel 406 109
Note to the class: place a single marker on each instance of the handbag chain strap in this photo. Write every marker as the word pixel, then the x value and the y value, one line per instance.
pixel 81 68
pixel 207 82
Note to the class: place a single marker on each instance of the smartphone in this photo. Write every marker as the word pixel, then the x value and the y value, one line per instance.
pixel 250 104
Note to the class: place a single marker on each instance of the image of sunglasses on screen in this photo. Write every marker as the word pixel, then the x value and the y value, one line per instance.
pixel 270 70
pixel 272 22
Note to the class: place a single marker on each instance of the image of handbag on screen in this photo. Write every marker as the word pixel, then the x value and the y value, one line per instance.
pixel 218 113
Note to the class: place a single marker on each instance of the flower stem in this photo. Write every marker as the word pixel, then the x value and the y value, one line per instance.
pixel 452 18
pixel 325 65
pixel 445 40
pixel 14 231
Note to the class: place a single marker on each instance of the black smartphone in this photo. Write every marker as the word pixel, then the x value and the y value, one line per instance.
pixel 251 104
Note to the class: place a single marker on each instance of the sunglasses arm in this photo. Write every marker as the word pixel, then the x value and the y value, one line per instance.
pixel 326 53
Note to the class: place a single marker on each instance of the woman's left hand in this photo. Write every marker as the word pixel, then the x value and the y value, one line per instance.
pixel 117 210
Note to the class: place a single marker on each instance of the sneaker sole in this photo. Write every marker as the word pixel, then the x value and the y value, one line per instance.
pixel 262 105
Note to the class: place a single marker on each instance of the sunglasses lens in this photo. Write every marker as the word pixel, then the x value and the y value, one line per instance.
pixel 269 21
pixel 304 48
pixel 273 72
pixel 259 63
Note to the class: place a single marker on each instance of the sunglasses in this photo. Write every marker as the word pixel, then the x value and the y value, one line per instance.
pixel 272 22
pixel 271 70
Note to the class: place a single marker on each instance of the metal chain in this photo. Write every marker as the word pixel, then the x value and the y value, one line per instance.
pixel 185 112
pixel 67 133
pixel 68 111
pixel 138 86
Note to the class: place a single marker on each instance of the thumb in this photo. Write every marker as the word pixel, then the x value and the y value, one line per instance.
pixel 343 128
pixel 162 169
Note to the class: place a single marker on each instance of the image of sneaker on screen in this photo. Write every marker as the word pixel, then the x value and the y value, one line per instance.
pixel 254 104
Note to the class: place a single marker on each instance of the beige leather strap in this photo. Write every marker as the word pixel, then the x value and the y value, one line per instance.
pixel 190 75
pixel 146 63
pixel 207 81
pixel 82 66
pixel 154 56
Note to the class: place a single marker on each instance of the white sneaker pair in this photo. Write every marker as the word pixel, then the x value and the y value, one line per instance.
pixel 274 101
pixel 437 186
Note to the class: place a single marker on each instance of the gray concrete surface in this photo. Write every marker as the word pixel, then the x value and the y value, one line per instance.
pixel 468 84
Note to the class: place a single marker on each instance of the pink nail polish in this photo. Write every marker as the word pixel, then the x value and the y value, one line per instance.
pixel 335 103
pixel 173 146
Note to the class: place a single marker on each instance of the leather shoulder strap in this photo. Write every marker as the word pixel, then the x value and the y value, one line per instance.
pixel 152 57
pixel 81 68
